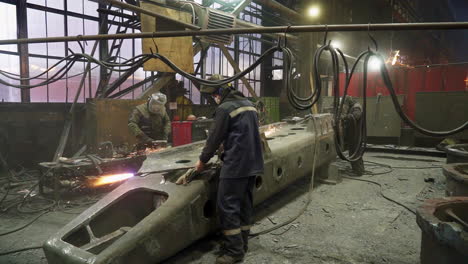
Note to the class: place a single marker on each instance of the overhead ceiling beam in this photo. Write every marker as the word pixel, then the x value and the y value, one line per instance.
pixel 256 30
pixel 283 10
pixel 140 10
pixel 236 68
pixel 240 7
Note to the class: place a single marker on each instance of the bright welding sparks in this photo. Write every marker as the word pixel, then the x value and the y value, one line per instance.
pixel 397 54
pixel 146 151
pixel 108 179
pixel 271 130
pixel 152 150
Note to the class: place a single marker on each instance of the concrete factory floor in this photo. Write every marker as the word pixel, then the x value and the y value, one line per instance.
pixel 345 223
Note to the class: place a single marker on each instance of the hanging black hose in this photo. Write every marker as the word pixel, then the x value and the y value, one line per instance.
pixel 336 54
pixel 131 64
pixel 298 102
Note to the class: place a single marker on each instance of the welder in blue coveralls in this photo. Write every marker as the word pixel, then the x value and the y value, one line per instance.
pixel 236 127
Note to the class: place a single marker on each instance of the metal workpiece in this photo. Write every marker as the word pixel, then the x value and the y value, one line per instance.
pixel 457 153
pixel 148 219
pixel 457 179
pixel 444 229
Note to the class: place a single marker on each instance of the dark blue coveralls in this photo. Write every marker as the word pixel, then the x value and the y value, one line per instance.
pixel 236 126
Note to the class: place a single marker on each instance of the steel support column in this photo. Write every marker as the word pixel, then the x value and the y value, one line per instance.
pixel 22 33
pixel 237 70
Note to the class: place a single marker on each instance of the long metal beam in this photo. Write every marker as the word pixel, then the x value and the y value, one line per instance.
pixel 239 22
pixel 236 68
pixel 115 231
pixel 278 29
pixel 150 13
pixel 240 7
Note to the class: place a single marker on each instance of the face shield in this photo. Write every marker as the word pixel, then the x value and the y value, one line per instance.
pixel 156 103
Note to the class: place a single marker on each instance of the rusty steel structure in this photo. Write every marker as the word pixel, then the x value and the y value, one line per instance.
pixel 137 222
pixel 457 179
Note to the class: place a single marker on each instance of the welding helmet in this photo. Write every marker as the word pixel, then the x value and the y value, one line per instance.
pixel 348 101
pixel 156 102
pixel 213 89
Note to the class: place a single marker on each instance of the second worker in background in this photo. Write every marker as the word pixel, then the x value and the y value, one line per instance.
pixel 149 122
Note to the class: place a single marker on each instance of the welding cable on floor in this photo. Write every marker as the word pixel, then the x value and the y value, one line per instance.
pixel 19 250
pixel 24 226
pixel 6 193
pixel 368 171
pixel 35 210
pixel 381 193
pixel 404 167
pixel 309 193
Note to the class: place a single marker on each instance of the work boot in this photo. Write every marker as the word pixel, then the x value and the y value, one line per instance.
pixel 231 245
pixel 245 239
pixel 358 167
pixel 222 248
pixel 227 259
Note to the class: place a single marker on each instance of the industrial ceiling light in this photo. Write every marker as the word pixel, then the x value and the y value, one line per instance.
pixel 374 64
pixel 313 11
pixel 336 44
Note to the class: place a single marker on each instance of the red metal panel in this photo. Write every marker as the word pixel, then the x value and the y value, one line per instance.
pixel 181 133
pixel 455 78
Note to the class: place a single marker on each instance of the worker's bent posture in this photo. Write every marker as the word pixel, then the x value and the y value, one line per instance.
pixel 236 127
pixel 352 116
pixel 149 121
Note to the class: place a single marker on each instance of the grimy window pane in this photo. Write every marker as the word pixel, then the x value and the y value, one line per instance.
pixel 9 63
pixel 37 30
pixel 8 28
pixel 37 66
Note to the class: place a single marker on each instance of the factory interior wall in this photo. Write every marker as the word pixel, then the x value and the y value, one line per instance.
pixel 410 81
pixel 37 126
pixel 425 94
pixel 441 111
pixel 30 132
pixel 382 119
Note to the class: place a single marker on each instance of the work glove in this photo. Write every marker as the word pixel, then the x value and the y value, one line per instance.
pixel 143 142
pixel 143 138
pixel 186 177
pixel 159 143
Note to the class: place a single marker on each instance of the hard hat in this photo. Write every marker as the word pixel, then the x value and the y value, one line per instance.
pixel 211 89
